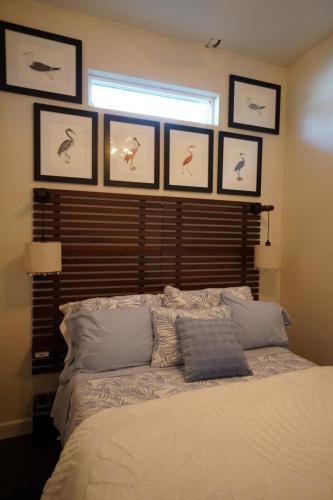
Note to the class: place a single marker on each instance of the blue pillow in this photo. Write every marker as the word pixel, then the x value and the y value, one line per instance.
pixel 109 339
pixel 259 324
pixel 211 349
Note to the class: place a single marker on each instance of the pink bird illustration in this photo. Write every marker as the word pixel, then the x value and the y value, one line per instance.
pixel 186 162
pixel 130 154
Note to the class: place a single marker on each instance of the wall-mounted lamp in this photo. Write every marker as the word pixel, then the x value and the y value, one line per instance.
pixel 268 256
pixel 43 257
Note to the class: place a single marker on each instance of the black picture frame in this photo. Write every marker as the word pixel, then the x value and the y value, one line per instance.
pixel 5 85
pixel 39 167
pixel 256 191
pixel 274 100
pixel 154 158
pixel 168 185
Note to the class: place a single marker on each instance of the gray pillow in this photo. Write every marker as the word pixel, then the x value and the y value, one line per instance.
pixel 92 304
pixel 108 339
pixel 211 349
pixel 259 324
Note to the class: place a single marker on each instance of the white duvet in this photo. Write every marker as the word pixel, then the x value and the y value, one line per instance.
pixel 262 440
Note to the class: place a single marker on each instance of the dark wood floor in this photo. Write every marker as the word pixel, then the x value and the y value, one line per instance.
pixel 25 466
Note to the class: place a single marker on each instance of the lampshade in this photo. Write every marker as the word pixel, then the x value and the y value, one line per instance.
pixel 43 257
pixel 267 257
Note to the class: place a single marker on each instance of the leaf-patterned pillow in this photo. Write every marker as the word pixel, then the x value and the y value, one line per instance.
pixel 167 347
pixel 199 299
pixel 144 299
pixel 240 292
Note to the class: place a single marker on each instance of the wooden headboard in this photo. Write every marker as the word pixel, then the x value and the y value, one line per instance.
pixel 115 244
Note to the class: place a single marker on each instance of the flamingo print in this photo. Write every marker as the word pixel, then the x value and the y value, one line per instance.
pixel 131 153
pixel 186 162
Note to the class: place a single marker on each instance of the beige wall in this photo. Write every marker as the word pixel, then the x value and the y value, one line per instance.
pixel 120 49
pixel 307 276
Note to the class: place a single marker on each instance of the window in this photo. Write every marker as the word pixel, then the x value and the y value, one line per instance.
pixel 133 95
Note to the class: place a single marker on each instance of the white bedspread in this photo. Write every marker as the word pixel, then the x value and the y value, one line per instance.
pixel 269 439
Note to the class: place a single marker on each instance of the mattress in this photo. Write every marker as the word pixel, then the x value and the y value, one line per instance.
pixel 86 394
pixel 269 439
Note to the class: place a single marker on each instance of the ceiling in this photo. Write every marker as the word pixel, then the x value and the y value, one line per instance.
pixel 275 31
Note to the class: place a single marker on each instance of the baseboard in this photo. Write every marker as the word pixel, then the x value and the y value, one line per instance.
pixel 15 428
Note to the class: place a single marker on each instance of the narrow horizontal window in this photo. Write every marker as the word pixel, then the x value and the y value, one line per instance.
pixel 132 95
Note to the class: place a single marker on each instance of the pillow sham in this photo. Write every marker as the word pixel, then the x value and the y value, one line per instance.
pixel 259 324
pixel 198 299
pixel 96 303
pixel 109 339
pixel 211 349
pixel 167 348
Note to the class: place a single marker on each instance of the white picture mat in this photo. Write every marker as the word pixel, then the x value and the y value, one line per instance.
pixel 262 96
pixel 121 141
pixel 231 156
pixel 55 54
pixel 52 134
pixel 179 142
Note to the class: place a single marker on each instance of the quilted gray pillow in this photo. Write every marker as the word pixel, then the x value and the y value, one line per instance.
pixel 211 349
pixel 199 299
pixel 167 348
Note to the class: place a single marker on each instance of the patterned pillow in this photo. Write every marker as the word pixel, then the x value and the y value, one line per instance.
pixel 145 299
pixel 167 347
pixel 199 299
pixel 211 349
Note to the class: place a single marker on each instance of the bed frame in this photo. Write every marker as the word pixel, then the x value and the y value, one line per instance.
pixel 115 244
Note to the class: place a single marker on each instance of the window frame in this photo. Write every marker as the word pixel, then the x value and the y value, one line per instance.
pixel 155 88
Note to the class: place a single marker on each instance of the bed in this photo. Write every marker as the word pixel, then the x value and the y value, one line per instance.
pixel 145 432
pixel 86 394
pixel 270 438
pixel 174 393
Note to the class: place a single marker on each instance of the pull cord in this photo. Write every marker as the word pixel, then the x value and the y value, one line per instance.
pixel 268 243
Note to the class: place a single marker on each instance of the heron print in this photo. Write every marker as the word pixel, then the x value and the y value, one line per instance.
pixel 39 66
pixel 254 106
pixel 131 153
pixel 66 145
pixel 240 165
pixel 186 163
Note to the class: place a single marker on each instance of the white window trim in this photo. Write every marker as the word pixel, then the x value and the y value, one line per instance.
pixel 155 88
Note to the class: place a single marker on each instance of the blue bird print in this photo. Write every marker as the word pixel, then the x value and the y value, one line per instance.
pixel 254 106
pixel 239 166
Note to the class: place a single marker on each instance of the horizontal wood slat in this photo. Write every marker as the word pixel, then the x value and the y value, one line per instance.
pixel 115 244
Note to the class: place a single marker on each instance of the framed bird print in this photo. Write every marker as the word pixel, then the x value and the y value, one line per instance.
pixel 131 152
pixel 188 158
pixel 254 105
pixel 39 63
pixel 65 145
pixel 239 164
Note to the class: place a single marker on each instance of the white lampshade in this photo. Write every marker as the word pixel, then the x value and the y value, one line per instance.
pixel 43 257
pixel 267 257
